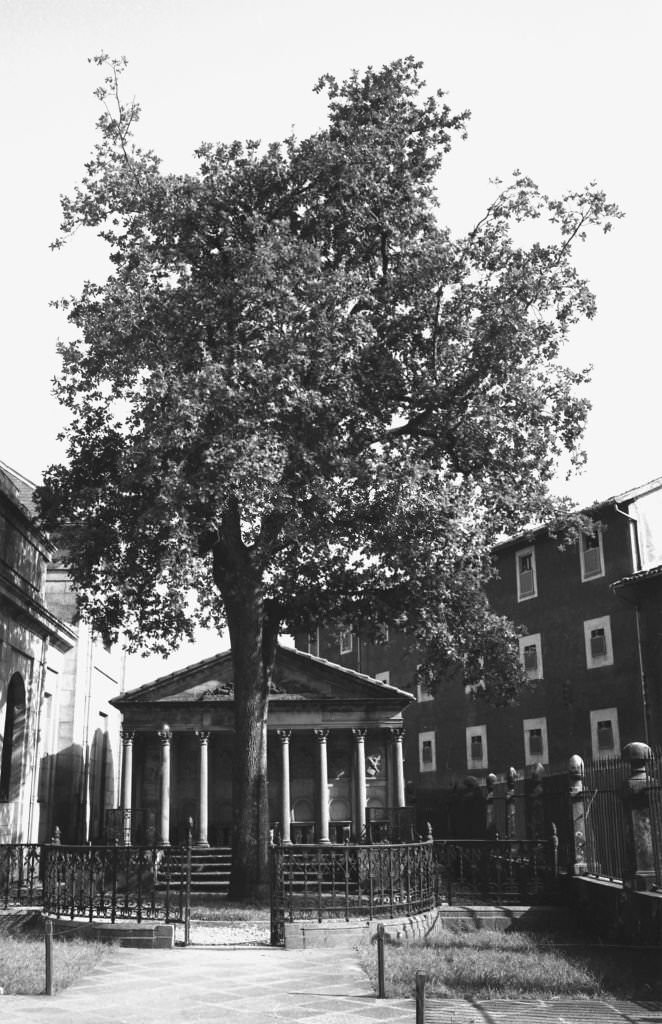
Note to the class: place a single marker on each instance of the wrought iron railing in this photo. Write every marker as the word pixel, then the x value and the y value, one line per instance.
pixel 496 871
pixel 604 817
pixel 348 881
pixel 20 875
pixel 116 882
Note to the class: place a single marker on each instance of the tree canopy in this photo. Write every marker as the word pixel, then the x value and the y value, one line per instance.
pixel 297 391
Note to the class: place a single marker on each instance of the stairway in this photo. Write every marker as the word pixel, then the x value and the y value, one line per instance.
pixel 210 870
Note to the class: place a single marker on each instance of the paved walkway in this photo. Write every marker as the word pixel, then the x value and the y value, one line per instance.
pixel 259 985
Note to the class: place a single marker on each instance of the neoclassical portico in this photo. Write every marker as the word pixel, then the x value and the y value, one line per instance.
pixel 335 762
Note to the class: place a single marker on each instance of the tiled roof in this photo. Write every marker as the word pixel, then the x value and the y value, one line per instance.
pixel 639 577
pixel 22 489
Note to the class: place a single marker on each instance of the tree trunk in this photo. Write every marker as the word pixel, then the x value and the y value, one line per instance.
pixel 253 638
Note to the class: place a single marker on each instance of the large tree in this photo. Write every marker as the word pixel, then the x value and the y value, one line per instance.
pixel 298 399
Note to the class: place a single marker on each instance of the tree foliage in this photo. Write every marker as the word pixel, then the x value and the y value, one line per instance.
pixel 298 398
pixel 294 363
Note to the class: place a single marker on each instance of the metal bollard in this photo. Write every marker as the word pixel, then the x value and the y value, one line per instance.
pixel 48 937
pixel 381 994
pixel 420 997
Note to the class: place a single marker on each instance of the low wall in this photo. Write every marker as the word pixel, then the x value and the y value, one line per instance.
pixel 318 934
pixel 146 935
pixel 615 913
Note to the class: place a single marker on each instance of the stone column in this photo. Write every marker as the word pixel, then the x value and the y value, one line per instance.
pixel 577 815
pixel 361 791
pixel 127 783
pixel 321 737
pixel 165 736
pixel 397 736
pixel 639 867
pixel 203 807
pixel 285 836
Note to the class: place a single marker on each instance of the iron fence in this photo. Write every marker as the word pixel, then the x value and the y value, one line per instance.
pixel 497 871
pixel 353 880
pixel 20 875
pixel 117 882
pixel 606 811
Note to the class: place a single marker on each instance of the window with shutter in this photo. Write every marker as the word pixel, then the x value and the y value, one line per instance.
pixel 605 733
pixel 535 742
pixel 530 657
pixel 591 554
pixel 598 643
pixel 526 575
pixel 530 652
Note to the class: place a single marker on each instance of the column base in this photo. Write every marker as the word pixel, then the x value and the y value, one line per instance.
pixel 201 844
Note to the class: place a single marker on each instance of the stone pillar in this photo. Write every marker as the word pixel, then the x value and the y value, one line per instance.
pixel 397 736
pixel 639 867
pixel 285 836
pixel 490 810
pixel 361 791
pixel 203 807
pixel 321 737
pixel 511 806
pixel 165 736
pixel 536 809
pixel 577 816
pixel 127 783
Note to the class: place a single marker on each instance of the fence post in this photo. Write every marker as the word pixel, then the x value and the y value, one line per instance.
pixel 381 994
pixel 511 808
pixel 187 891
pixel 48 937
pixel 577 864
pixel 639 867
pixel 420 997
pixel 490 809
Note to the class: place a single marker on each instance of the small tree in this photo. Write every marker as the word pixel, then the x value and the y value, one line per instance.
pixel 297 398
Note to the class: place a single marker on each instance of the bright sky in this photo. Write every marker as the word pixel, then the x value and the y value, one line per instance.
pixel 567 92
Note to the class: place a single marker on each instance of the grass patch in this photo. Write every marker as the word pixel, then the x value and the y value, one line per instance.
pixel 515 965
pixel 22 963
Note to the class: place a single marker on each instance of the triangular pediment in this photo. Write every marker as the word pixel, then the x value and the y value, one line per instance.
pixel 298 677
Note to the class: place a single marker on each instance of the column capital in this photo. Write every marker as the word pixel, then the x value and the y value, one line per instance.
pixel 284 735
pixel 359 734
pixel 397 734
pixel 321 735
pixel 202 735
pixel 165 734
pixel 127 735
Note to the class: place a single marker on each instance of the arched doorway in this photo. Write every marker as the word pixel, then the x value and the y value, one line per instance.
pixel 13 736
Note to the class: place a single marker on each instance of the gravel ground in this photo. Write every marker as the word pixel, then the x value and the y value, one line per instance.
pixel 227 933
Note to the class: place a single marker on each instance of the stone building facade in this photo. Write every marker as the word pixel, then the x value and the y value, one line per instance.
pixel 59 736
pixel 334 741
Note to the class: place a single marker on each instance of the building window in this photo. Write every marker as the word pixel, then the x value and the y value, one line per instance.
pixel 476 740
pixel 383 677
pixel 597 639
pixel 346 641
pixel 314 642
pixel 427 754
pixel 605 736
pixel 591 555
pixel 383 634
pixel 536 747
pixel 527 584
pixel 530 653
